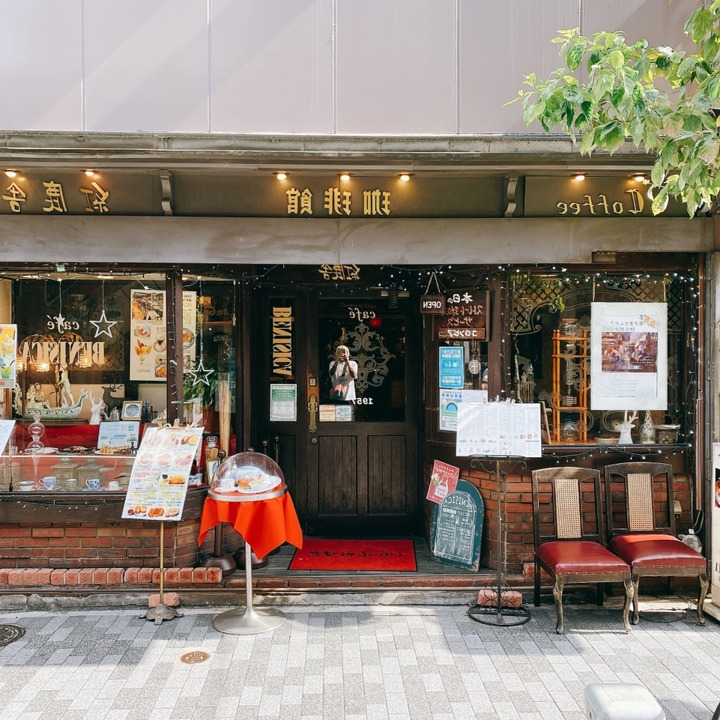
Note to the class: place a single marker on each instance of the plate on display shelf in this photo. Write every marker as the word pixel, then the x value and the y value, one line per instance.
pixel 42 451
pixel 77 450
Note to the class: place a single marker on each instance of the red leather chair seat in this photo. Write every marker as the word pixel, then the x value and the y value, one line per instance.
pixel 655 550
pixel 579 557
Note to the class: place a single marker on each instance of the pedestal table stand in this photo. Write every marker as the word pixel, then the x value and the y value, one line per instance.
pixel 248 620
pixel 501 616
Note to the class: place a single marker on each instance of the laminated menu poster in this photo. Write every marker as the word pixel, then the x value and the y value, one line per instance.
pixel 443 481
pixel 159 479
pixel 8 355
pixel 499 429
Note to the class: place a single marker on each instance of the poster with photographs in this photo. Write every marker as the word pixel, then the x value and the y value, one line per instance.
pixel 148 349
pixel 628 356
pixel 159 478
pixel 8 355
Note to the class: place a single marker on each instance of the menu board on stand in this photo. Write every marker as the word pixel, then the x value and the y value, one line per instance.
pixel 158 487
pixel 159 479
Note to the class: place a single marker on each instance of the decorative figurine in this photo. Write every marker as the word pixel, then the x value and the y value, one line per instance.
pixel 97 408
pixel 647 430
pixel 625 428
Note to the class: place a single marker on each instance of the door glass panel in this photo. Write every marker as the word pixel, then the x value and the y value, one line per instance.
pixel 370 382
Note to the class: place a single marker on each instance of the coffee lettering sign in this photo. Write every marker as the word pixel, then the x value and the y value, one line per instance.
pixel 600 206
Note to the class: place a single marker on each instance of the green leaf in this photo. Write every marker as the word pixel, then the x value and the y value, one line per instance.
pixel 617 59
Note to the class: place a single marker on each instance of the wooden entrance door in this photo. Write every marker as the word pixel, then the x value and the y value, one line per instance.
pixel 351 462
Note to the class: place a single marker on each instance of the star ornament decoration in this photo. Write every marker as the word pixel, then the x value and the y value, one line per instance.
pixel 200 374
pixel 103 325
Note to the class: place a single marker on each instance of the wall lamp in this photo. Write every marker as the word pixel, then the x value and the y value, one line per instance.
pixel 579 177
pixel 281 175
pixel 344 177
pixel 405 177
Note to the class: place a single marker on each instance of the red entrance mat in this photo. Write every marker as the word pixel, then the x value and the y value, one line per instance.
pixel 329 554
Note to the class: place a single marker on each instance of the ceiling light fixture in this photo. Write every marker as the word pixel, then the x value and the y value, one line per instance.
pixel 639 177
pixel 90 173
pixel 11 173
pixel 405 177
pixel 344 177
pixel 579 177
pixel 281 175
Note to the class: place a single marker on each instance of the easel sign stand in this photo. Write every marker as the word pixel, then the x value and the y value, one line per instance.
pixel 503 614
pixel 161 611
pixel 157 490
pixel 497 433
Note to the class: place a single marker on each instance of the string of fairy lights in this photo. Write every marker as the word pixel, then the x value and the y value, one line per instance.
pixel 414 280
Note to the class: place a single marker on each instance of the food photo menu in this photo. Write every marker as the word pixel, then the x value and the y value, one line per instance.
pixel 159 479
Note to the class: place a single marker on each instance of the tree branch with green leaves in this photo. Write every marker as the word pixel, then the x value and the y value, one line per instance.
pixel 663 100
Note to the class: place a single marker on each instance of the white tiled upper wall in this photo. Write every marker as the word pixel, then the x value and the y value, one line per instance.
pixel 379 67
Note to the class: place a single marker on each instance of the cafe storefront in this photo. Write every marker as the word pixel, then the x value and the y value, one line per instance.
pixel 220 295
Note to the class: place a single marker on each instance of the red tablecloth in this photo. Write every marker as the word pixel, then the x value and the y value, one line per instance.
pixel 264 525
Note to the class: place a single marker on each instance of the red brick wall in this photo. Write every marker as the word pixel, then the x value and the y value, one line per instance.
pixel 115 545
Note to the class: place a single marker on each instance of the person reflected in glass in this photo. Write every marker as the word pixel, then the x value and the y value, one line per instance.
pixel 343 372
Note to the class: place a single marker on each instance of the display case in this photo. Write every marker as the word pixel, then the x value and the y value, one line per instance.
pixel 65 472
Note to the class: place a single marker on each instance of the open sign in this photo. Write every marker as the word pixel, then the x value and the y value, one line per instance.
pixel 432 304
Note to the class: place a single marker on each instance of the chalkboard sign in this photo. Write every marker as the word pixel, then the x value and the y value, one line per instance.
pixel 458 526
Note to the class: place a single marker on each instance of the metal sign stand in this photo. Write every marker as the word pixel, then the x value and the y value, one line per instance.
pixel 501 615
pixel 161 611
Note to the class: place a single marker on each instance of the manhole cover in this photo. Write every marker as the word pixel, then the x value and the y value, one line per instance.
pixel 197 656
pixel 10 633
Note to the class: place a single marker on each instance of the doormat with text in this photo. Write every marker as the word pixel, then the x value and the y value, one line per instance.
pixel 350 555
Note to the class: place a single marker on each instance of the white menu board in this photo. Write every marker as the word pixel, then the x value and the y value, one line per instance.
pixel 159 479
pixel 499 429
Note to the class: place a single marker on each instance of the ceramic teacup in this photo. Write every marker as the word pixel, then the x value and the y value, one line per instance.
pixel 71 484
pixel 26 485
pixel 49 482
pixel 93 483
pixel 113 485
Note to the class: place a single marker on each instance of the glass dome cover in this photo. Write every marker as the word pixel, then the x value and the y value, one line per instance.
pixel 247 473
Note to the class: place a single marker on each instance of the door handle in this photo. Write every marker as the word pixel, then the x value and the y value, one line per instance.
pixel 313 440
pixel 312 411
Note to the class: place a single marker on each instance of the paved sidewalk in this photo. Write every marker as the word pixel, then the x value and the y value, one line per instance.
pixel 341 662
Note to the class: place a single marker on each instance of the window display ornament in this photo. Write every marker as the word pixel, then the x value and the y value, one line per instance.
pixel 102 320
pixel 200 374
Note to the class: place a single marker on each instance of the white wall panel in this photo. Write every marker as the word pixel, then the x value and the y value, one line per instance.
pixel 660 23
pixel 396 67
pixel 384 67
pixel 41 61
pixel 501 42
pixel 271 66
pixel 146 65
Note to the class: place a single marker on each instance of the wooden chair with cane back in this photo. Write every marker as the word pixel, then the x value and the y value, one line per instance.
pixel 569 533
pixel 641 527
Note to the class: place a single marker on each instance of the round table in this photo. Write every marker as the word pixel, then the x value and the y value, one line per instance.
pixel 265 520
